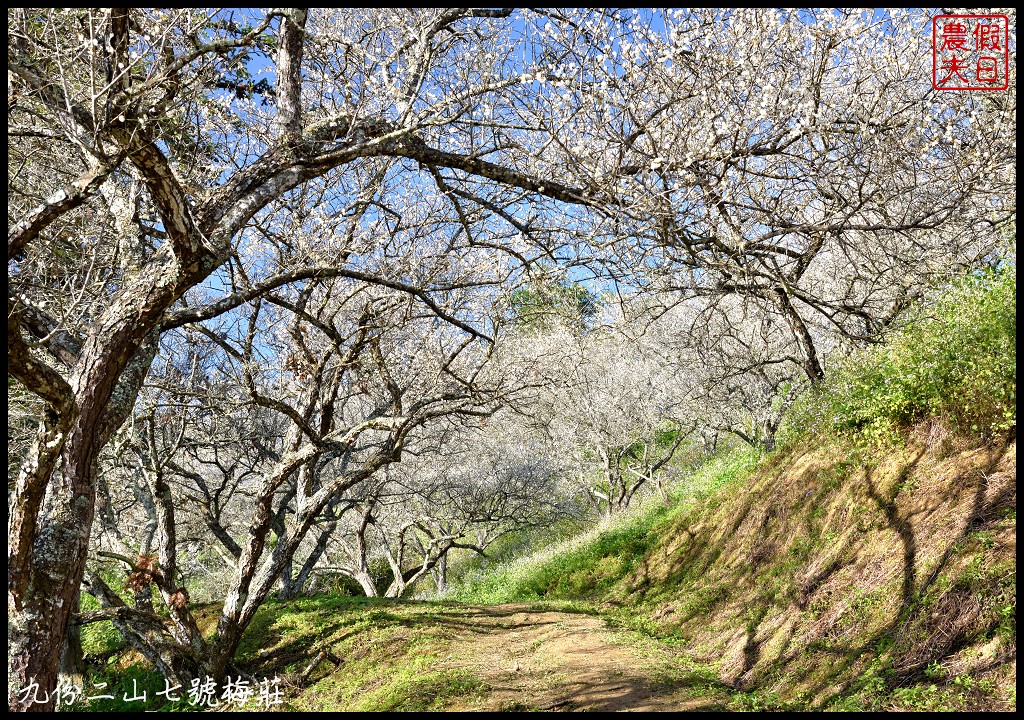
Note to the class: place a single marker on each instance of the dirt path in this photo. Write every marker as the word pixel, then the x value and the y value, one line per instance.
pixel 538 659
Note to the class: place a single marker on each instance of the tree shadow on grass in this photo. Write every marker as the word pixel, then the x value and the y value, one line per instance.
pixel 754 585
pixel 911 636
pixel 827 670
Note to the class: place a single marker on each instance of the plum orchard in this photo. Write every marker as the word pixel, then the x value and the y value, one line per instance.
pixel 315 214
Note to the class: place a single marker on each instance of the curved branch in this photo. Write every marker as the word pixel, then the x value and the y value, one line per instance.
pixel 37 377
pixel 60 202
pixel 194 315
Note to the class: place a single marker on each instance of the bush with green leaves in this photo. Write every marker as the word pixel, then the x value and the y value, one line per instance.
pixel 955 359
pixel 545 302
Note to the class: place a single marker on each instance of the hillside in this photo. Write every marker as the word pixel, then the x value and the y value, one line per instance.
pixel 867 564
pixel 832 577
pixel 822 578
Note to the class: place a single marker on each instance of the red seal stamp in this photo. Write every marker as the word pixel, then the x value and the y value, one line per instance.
pixel 970 52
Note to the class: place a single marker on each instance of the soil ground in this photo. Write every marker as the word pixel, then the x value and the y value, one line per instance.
pixel 536 659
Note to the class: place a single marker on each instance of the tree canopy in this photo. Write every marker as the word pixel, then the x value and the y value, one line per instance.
pixel 261 266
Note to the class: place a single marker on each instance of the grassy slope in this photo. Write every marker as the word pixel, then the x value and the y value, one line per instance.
pixel 833 577
pixel 821 577
pixel 876 573
pixel 869 565
pixel 382 654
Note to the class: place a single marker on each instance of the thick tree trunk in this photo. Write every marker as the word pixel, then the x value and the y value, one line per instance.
pixel 289 68
pixel 362 574
pixel 285 582
pixel 396 589
pixel 43 585
pixel 72 658
pixel 38 620
pixel 184 628
pixel 366 582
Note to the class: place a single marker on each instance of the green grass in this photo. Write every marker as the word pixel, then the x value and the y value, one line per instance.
pixel 383 653
pixel 588 566
pixel 383 657
pixel 748 556
pixel 413 689
pixel 125 686
pixel 101 641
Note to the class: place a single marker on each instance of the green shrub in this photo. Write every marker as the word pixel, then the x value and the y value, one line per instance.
pixel 955 359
